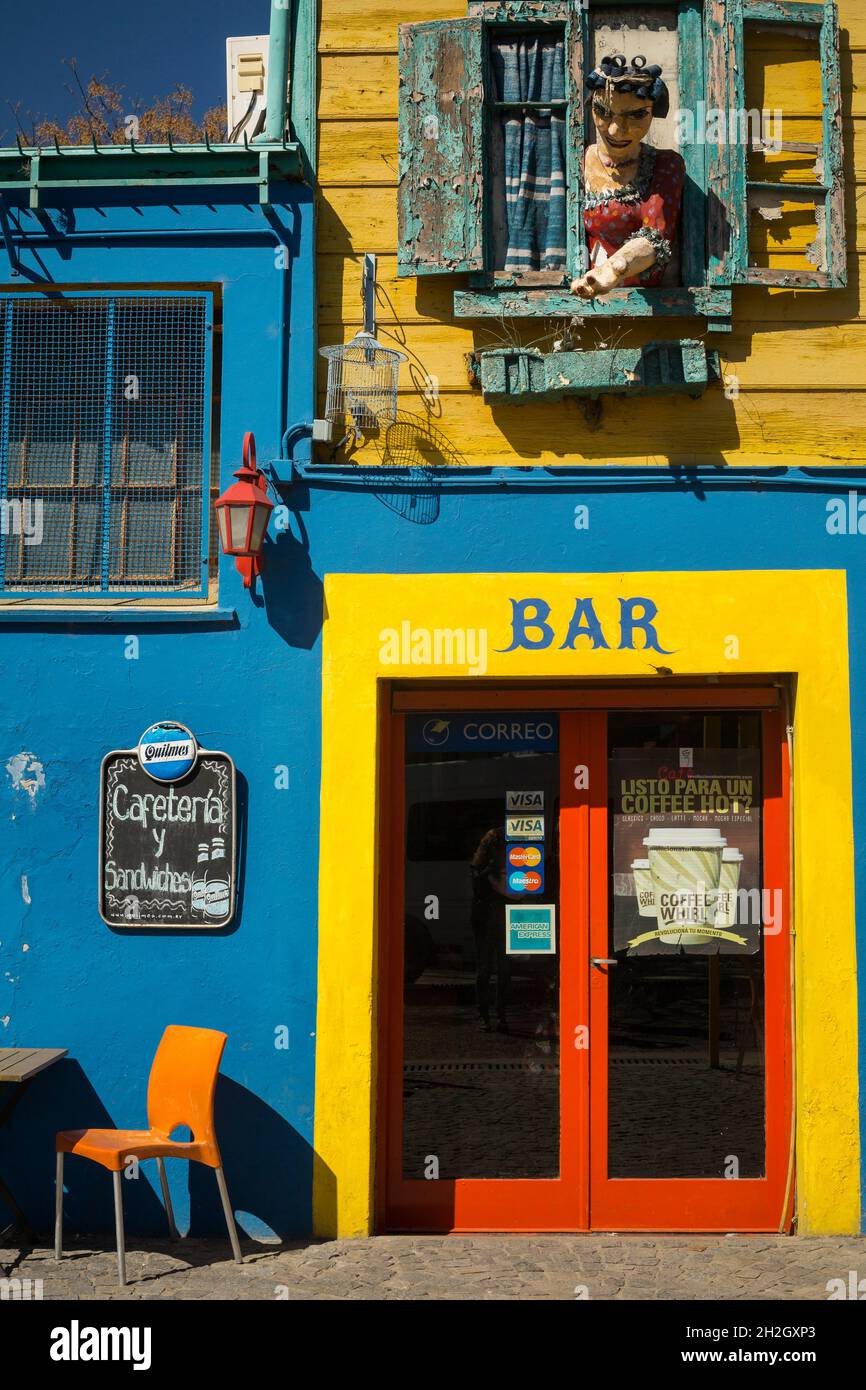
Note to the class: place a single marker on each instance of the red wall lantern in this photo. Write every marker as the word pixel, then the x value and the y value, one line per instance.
pixel 243 513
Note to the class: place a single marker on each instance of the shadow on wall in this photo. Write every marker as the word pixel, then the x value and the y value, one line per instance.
pixel 647 429
pixel 412 444
pixel 289 590
pixel 268 1166
pixel 415 449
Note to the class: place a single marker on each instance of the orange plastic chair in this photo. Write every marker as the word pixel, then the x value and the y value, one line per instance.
pixel 180 1092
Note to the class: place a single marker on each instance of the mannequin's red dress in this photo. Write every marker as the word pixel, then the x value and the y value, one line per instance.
pixel 650 206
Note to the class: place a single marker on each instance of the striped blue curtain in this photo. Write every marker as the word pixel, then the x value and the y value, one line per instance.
pixel 530 68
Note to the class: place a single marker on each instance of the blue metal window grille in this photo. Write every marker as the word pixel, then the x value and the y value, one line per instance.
pixel 105 444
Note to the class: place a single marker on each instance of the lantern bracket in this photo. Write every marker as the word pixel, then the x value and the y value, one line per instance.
pixel 368 293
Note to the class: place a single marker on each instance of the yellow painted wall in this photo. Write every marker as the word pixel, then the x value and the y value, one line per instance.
pixel 793 622
pixel 799 356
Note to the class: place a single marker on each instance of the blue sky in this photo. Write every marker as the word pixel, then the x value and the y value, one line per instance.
pixel 148 47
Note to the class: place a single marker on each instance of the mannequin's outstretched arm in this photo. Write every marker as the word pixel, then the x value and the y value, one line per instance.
pixel 636 256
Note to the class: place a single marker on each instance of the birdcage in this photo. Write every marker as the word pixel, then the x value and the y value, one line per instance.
pixel 362 383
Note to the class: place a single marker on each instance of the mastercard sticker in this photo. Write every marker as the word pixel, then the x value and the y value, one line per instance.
pixel 524 856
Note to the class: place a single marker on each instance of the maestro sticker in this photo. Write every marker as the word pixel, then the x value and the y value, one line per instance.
pixel 525 881
pixel 167 752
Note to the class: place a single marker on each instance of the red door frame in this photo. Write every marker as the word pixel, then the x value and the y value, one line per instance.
pixel 582 1197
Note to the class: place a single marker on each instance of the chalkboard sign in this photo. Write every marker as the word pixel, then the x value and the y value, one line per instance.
pixel 167 851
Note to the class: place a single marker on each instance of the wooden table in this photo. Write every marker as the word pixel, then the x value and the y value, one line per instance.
pixel 18 1066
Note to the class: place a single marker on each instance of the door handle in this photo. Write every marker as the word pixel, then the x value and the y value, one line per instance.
pixel 599 961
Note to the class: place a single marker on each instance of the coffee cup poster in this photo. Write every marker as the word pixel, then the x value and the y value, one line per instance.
pixel 686 851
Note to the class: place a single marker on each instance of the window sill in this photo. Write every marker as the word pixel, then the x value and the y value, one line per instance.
pixel 127 618
pixel 712 303
pixel 512 376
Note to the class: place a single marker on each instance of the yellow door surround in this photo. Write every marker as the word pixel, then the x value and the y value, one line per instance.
pixel 548 627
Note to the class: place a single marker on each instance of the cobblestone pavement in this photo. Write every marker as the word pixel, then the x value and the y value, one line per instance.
pixel 454 1267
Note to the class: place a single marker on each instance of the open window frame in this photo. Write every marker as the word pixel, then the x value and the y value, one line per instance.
pixel 515 295
pixel 445 220
pixel 733 194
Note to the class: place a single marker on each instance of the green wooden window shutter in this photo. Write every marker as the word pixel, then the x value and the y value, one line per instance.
pixel 441 194
pixel 735 195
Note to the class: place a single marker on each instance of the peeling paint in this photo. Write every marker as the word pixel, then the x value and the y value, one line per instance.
pixel 521 376
pixel 713 303
pixel 817 252
pixel 519 11
pixel 25 891
pixel 441 147
pixel 26 773
pixel 731 195
pixel 767 205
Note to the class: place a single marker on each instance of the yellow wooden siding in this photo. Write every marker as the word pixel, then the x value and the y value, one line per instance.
pixel 370 26
pixel 792 353
pixel 364 152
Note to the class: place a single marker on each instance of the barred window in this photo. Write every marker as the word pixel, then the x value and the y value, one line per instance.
pixel 104 444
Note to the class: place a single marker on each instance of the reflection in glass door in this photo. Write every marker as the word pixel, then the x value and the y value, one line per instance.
pixel 484 1122
pixel 480 965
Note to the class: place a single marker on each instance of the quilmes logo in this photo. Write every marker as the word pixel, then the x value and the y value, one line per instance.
pixel 436 731
pixel 167 752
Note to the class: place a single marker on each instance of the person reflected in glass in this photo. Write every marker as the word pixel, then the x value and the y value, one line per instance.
pixel 489 895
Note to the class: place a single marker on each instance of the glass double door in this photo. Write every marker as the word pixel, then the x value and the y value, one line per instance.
pixel 585 980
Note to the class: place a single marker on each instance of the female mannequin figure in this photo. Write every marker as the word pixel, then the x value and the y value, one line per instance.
pixel 632 192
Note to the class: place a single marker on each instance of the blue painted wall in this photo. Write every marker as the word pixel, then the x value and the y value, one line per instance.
pixel 68 694
pixel 253 689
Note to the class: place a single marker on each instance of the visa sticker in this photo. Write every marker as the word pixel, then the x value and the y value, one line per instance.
pixel 524 801
pixel 524 827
